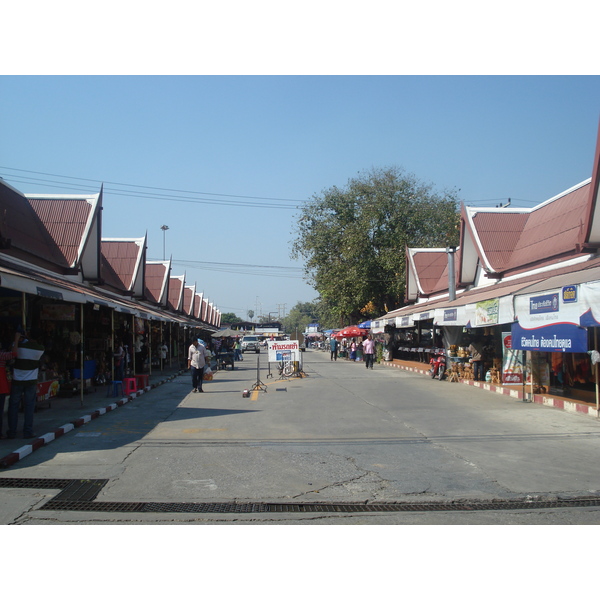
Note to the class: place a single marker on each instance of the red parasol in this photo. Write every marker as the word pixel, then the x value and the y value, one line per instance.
pixel 351 331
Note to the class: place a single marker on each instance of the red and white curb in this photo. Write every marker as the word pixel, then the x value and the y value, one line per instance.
pixel 44 440
pixel 559 403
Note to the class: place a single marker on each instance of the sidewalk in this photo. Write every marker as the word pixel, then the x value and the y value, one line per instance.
pixel 66 414
pixel 553 401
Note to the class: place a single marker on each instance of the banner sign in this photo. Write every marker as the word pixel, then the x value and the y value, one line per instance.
pixel 486 312
pixel 560 337
pixel 288 350
pixel 512 362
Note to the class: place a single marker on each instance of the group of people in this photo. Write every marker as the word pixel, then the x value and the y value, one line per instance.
pixel 25 354
pixel 364 347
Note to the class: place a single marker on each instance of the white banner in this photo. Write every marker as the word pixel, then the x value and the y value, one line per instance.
pixel 289 350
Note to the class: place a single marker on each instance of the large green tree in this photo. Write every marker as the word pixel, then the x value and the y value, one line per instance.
pixel 230 318
pixel 353 239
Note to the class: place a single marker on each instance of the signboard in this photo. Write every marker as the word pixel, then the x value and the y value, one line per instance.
pixel 486 312
pixel 57 312
pixel 450 314
pixel 560 337
pixel 512 362
pixel 569 294
pixel 543 304
pixel 288 350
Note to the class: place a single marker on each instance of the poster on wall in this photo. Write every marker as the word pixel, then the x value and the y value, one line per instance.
pixel 486 313
pixel 512 362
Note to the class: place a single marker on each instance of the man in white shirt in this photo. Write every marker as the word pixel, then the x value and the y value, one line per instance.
pixel 197 362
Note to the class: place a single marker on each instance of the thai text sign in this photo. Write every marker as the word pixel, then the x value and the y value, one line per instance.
pixel 288 350
pixel 543 304
pixel 561 337
pixel 486 312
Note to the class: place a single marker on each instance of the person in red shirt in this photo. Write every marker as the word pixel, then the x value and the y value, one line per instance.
pixel 4 382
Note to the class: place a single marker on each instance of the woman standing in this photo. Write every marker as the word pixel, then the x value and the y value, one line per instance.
pixel 4 383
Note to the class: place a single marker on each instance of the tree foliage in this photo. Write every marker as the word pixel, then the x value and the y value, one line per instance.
pixel 230 318
pixel 353 239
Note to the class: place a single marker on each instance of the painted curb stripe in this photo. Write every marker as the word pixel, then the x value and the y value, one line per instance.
pixel 16 455
pixel 549 401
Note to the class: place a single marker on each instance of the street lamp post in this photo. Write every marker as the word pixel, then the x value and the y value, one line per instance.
pixel 164 230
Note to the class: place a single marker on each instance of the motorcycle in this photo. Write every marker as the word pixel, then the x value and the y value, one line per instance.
pixel 438 365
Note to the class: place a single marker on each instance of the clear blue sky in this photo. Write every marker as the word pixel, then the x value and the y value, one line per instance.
pixel 249 149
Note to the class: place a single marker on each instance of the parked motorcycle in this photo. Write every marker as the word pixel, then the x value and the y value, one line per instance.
pixel 438 365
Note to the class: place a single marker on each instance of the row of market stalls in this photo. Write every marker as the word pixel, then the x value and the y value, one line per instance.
pixel 84 295
pixel 524 284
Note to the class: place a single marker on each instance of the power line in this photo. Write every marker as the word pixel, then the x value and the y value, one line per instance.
pixel 151 187
pixel 192 196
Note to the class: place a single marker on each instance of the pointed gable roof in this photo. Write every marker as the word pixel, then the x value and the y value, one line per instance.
pixel 23 235
pixel 157 282
pixel 73 222
pixel 189 293
pixel 198 306
pixel 427 272
pixel 176 285
pixel 123 264
pixel 204 314
pixel 506 240
pixel 592 232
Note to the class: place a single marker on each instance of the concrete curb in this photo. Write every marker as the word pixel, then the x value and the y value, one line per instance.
pixel 44 440
pixel 559 403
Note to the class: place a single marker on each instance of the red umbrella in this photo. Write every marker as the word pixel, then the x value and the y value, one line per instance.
pixel 351 331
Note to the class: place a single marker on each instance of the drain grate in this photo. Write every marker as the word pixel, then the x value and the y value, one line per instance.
pixel 258 507
pixel 43 484
pixel 80 495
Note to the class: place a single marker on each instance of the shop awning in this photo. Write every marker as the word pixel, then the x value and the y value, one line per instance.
pixel 38 286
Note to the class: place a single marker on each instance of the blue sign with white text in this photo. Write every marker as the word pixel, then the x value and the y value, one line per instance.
pixel 543 304
pixel 561 337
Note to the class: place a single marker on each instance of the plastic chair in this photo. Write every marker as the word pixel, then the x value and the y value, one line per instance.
pixel 115 387
pixel 142 381
pixel 129 386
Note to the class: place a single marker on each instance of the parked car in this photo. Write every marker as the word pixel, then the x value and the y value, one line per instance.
pixel 251 342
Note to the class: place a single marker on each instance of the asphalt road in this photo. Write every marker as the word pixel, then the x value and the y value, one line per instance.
pixel 340 435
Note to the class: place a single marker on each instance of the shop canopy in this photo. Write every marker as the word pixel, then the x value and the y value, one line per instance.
pixel 350 332
pixel 552 315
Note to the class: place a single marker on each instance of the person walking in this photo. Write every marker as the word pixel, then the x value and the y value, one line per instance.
pixel 24 384
pixel 4 382
pixel 333 346
pixel 369 351
pixel 197 362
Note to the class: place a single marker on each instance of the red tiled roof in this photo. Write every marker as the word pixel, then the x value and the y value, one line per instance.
pixel 175 285
pixel 188 300
pixel 499 233
pixel 155 280
pixel 29 239
pixel 552 229
pixel 431 267
pixel 65 220
pixel 511 240
pixel 119 260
